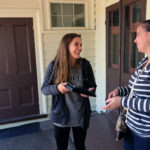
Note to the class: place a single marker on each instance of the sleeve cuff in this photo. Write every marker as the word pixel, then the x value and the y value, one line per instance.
pixel 124 101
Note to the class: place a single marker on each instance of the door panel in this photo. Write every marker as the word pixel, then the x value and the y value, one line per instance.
pixel 18 88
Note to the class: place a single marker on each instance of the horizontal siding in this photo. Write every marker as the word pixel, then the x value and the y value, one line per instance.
pixel 19 4
pixel 51 42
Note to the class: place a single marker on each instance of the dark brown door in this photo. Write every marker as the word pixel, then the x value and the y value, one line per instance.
pixel 122 56
pixel 18 79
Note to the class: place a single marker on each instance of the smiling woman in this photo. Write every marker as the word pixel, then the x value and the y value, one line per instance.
pixel 70 109
pixel 75 49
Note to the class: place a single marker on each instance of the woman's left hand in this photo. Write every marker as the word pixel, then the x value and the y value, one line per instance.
pixel 86 96
pixel 112 103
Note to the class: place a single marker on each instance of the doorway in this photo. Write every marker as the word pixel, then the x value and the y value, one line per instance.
pixel 18 77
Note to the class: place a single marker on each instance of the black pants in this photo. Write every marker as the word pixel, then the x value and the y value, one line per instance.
pixel 62 137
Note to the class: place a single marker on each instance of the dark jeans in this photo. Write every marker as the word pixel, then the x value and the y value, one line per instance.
pixel 62 137
pixel 134 142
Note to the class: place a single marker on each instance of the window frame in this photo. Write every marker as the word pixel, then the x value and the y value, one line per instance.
pixel 48 12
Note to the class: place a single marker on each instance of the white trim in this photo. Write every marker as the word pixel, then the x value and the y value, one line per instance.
pixel 35 14
pixel 5 126
pixel 148 10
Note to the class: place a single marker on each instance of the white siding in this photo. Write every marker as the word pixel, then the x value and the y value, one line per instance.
pixel 148 9
pixel 19 4
pixel 100 59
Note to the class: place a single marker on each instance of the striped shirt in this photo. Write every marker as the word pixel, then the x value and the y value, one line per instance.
pixel 138 116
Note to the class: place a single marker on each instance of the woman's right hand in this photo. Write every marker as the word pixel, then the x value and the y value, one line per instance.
pixel 112 103
pixel 113 93
pixel 62 88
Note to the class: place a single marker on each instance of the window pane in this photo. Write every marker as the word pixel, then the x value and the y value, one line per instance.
pixel 79 9
pixel 136 13
pixel 67 9
pixel 115 48
pixel 79 21
pixel 79 15
pixel 56 21
pixel 67 15
pixel 55 9
pixel 126 52
pixel 116 18
pixel 68 21
pixel 109 48
pixel 109 21
pixel 127 16
pixel 126 39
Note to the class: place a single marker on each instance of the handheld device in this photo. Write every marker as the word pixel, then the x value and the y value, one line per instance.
pixel 74 88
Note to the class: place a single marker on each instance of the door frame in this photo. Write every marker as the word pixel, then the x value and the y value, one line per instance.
pixel 35 14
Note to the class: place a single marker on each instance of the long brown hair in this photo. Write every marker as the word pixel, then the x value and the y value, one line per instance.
pixel 61 61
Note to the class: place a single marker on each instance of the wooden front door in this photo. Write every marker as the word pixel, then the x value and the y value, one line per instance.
pixel 18 78
pixel 122 56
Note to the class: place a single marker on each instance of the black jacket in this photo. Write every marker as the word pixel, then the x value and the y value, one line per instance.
pixel 59 112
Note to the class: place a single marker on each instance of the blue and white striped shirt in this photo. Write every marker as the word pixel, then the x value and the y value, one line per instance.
pixel 138 117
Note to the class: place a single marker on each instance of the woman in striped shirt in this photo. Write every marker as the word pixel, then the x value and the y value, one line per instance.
pixel 138 116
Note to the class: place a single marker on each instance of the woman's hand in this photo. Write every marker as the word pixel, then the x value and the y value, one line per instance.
pixel 86 96
pixel 113 93
pixel 112 103
pixel 62 88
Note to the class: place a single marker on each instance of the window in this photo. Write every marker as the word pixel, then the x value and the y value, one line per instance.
pixel 67 15
pixel 114 37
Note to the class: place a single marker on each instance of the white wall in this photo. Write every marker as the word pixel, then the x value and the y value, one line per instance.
pixel 19 4
pixel 100 60
pixel 148 10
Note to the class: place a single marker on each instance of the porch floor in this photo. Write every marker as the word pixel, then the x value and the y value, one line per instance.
pixel 39 136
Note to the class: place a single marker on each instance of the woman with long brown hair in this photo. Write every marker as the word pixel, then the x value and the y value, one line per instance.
pixel 69 110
